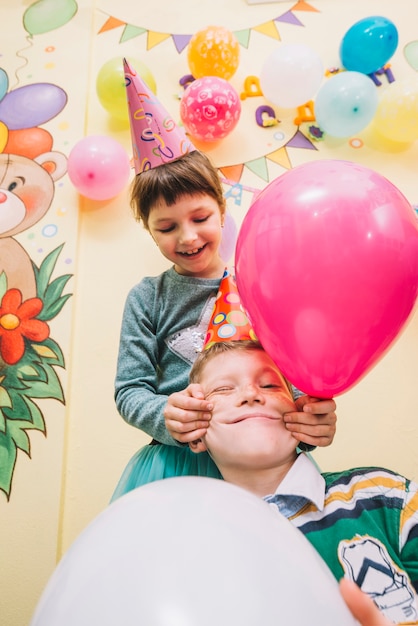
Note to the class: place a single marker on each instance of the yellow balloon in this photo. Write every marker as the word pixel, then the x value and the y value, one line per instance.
pixel 397 112
pixel 213 51
pixel 110 85
pixel 4 136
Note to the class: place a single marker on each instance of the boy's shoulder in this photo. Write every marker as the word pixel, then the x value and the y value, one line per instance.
pixel 364 477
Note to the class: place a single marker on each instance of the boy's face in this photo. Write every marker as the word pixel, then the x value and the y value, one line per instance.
pixel 189 233
pixel 249 397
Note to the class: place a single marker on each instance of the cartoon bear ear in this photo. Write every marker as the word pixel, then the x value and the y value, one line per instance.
pixel 229 321
pixel 156 138
pixel 55 163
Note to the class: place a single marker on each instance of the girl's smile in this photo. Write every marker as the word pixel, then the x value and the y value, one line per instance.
pixel 189 233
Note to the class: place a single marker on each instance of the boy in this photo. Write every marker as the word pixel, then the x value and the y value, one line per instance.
pixel 363 521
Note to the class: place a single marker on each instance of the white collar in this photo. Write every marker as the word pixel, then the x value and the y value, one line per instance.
pixel 304 479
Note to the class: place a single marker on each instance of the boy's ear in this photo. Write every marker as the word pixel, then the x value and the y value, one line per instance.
pixel 197 446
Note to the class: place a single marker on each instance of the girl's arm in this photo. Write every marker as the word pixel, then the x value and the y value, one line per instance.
pixel 136 384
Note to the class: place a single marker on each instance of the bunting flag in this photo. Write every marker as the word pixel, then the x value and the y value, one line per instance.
pixel 181 41
pixel 259 166
pixel 233 173
pixel 301 5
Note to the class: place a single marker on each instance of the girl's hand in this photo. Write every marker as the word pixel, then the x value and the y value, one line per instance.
pixel 187 414
pixel 314 423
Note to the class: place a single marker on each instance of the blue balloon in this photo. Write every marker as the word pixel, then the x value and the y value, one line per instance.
pixel 369 44
pixel 4 83
pixel 345 104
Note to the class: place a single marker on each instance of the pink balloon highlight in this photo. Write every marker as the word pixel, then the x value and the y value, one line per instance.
pixel 327 268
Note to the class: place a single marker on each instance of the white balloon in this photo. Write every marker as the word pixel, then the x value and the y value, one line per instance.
pixel 191 551
pixel 291 75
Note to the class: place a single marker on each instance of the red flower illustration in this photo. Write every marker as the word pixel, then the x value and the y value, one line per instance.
pixel 16 323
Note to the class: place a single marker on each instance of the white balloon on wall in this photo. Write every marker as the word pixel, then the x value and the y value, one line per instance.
pixel 191 551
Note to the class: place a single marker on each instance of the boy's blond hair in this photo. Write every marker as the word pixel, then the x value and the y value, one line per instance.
pixel 192 174
pixel 243 345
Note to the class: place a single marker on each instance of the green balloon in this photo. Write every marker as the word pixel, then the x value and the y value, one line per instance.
pixel 110 86
pixel 46 15
pixel 411 54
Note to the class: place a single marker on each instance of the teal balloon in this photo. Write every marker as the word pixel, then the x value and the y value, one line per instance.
pixel 46 15
pixel 369 44
pixel 4 83
pixel 345 104
pixel 411 54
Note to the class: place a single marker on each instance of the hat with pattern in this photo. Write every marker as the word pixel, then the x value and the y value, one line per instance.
pixel 229 321
pixel 156 138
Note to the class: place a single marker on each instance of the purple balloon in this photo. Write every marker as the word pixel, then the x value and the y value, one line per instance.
pixel 31 105
pixel 229 238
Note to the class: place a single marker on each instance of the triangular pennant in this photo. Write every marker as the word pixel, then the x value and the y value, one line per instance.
pixel 259 167
pixel 301 5
pixel 232 172
pixel 181 42
pixel 111 22
pixel 289 18
pixel 280 157
pixel 300 141
pixel 130 32
pixel 269 29
pixel 243 37
pixel 155 38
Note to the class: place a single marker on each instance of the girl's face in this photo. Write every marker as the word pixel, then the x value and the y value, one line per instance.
pixel 189 233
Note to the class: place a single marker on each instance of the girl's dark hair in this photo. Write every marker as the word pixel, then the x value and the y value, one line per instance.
pixel 191 174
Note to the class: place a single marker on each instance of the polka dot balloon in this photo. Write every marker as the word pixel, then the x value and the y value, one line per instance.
pixel 213 51
pixel 210 109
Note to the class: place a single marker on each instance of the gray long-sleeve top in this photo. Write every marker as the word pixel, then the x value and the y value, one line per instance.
pixel 164 324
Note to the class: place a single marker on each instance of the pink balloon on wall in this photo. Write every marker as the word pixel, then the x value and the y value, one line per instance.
pixel 98 167
pixel 327 268
pixel 210 108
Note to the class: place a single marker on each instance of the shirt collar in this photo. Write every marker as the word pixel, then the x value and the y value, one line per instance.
pixel 303 480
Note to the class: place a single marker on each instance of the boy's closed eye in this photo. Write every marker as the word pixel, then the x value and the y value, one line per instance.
pixel 223 389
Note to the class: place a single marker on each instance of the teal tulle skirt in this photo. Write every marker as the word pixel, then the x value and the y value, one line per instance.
pixel 155 462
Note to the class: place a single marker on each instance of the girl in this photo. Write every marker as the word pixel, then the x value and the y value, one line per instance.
pixel 178 196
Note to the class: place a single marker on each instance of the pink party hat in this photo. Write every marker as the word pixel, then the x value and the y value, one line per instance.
pixel 228 322
pixel 156 138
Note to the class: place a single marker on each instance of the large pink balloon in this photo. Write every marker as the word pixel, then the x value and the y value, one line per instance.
pixel 327 268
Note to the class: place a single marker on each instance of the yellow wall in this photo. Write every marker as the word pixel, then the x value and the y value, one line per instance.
pixel 72 472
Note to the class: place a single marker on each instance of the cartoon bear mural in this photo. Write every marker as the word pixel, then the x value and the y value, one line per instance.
pixel 26 193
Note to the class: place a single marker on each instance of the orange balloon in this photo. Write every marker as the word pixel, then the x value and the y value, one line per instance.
pixel 213 51
pixel 28 142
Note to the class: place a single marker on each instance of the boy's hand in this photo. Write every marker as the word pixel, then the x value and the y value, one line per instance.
pixel 361 605
pixel 315 421
pixel 187 414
